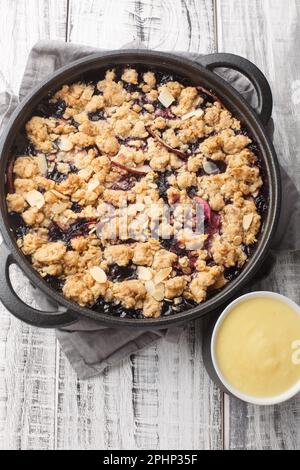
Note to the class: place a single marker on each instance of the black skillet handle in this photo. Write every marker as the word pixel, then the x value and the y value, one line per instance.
pixel 18 308
pixel 247 68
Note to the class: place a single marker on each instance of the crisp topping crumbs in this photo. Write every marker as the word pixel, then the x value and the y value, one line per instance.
pixel 143 139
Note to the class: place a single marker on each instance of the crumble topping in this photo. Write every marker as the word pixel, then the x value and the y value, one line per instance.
pixel 145 139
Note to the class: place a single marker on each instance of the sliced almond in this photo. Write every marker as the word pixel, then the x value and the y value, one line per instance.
pixel 166 98
pixel 42 163
pixel 144 274
pixel 247 221
pixel 159 292
pixel 93 185
pixel 210 168
pixel 85 173
pixel 65 144
pixel 59 195
pixel 98 274
pixel 161 275
pixel 197 112
pixel 35 199
pixel 156 291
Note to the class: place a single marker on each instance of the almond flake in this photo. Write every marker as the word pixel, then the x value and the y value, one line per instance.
pixel 197 112
pixel 159 292
pixel 65 144
pixel 93 185
pixel 144 274
pixel 35 199
pixel 210 168
pixel 156 291
pixel 42 163
pixel 85 173
pixel 59 195
pixel 161 275
pixel 247 221
pixel 98 274
pixel 166 98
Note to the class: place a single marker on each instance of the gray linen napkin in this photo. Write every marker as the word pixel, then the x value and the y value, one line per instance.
pixel 89 347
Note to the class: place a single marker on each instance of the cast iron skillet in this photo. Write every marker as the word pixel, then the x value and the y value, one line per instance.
pixel 68 312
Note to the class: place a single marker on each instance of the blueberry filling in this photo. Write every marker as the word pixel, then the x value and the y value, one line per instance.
pixel 192 191
pixel 121 273
pixel 96 115
pixel 54 282
pixel 56 175
pixel 231 273
pixel 18 225
pixel 162 184
pixel 76 207
pixel 261 204
pixel 125 183
pixel 109 308
pixel 79 228
pixel 51 109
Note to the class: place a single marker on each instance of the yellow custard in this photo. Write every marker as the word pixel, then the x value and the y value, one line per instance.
pixel 257 347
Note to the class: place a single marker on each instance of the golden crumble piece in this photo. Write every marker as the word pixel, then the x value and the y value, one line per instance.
pixel 143 252
pixel 226 254
pixel 163 259
pixel 187 100
pixel 76 95
pixel 51 252
pixel 82 140
pixel 119 254
pixel 115 197
pixel 33 241
pixel 80 244
pixel 203 280
pixel 245 157
pixel 131 293
pixel 26 167
pixel 174 287
pixel 185 179
pixel 71 262
pixel 16 203
pixel 107 143
pixel 33 216
pixel 97 102
pixel 247 178
pixel 90 257
pixel 195 163
pixel 37 132
pixel 24 185
pixel 151 307
pixel 130 76
pixel 150 81
pixel 83 289
pixel 232 143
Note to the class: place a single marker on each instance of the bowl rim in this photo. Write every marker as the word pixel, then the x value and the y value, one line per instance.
pixel 262 401
pixel 228 95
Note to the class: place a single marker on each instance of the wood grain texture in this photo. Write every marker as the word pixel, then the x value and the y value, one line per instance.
pixel 268 33
pixel 27 355
pixel 161 398
pixel 167 25
pixel 22 23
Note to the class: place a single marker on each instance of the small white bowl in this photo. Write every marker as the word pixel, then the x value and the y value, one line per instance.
pixel 242 396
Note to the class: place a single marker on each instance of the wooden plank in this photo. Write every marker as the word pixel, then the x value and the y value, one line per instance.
pixel 161 398
pixel 167 25
pixel 27 355
pixel 24 23
pixel 267 33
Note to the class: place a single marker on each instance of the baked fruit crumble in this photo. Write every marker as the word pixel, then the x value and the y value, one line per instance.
pixel 146 139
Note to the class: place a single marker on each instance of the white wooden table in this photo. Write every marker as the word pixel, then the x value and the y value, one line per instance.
pixel 162 397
